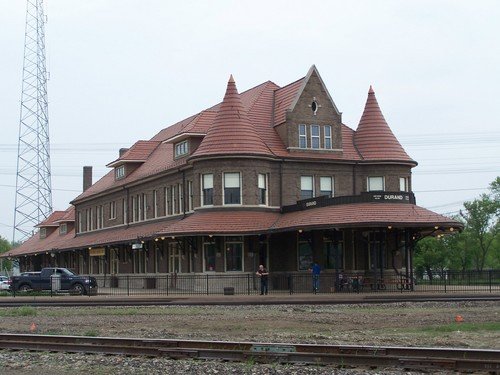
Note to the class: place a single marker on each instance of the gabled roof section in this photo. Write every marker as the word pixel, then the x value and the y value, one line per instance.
pixel 69 215
pixel 52 220
pixel 232 132
pixel 283 99
pixel 373 137
pixel 138 153
pixel 303 84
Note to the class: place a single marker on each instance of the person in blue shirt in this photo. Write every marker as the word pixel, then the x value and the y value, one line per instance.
pixel 316 270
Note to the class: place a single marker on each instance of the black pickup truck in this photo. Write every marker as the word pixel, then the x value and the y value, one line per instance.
pixel 56 279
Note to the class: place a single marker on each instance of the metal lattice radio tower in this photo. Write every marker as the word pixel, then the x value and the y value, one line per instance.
pixel 33 187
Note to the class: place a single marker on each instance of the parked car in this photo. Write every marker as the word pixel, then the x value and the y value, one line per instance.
pixel 4 283
pixel 53 278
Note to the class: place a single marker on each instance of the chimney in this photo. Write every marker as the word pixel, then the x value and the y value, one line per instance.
pixel 87 177
pixel 122 151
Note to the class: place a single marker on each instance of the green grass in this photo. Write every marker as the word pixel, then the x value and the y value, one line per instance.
pixel 464 327
pixel 19 311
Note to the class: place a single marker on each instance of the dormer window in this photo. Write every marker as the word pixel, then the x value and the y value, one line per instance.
pixel 43 233
pixel 315 136
pixel 181 148
pixel 63 228
pixel 302 136
pixel 120 172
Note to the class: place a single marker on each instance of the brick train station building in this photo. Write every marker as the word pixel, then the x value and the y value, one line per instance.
pixel 269 176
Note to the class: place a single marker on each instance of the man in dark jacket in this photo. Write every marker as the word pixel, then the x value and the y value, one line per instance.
pixel 263 275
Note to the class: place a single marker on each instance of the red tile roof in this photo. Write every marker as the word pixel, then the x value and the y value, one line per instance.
pixel 139 152
pixel 246 222
pixel 373 138
pixel 365 215
pixel 232 132
pixel 222 222
pixel 283 99
pixel 51 221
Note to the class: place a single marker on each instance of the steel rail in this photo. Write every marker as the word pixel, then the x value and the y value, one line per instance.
pixel 456 359
pixel 202 301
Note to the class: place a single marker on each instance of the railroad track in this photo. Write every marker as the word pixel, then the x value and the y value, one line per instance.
pixel 408 358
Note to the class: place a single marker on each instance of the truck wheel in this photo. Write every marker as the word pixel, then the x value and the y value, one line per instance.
pixel 24 288
pixel 78 289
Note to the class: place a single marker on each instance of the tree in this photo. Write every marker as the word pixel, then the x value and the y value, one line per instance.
pixel 482 223
pixel 4 247
pixel 430 255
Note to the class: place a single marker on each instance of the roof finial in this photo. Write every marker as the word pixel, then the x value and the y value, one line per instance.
pixel 231 79
pixel 371 90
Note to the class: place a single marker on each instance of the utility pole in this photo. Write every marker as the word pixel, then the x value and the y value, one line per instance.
pixel 33 186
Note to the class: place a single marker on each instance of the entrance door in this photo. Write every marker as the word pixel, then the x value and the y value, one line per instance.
pixel 174 258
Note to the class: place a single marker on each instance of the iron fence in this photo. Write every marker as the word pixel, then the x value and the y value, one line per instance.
pixel 279 283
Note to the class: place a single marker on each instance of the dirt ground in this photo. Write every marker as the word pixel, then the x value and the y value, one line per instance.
pixel 396 324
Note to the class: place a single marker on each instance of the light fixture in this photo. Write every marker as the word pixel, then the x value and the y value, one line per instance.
pixel 436 227
pixel 156 239
pixel 389 227
pixel 162 238
pixel 452 229
pixel 173 237
pixel 300 230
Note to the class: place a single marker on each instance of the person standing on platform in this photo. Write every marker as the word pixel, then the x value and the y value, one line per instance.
pixel 316 270
pixel 263 274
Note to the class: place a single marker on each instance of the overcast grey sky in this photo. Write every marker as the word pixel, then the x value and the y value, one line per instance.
pixel 121 70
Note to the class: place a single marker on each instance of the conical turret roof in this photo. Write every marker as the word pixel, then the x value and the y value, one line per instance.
pixel 232 132
pixel 373 137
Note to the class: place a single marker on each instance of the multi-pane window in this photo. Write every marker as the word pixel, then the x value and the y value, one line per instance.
pixel 306 187
pixel 207 186
pixel 234 254
pixel 120 172
pixel 43 233
pixel 112 210
pixel 403 184
pixel 375 183
pixel 328 137
pixel 326 186
pixel 181 148
pixel 232 190
pixel 190 195
pixel 263 196
pixel 155 204
pixel 302 136
pixel 88 214
pixel 314 136
pixel 144 207
pixel 91 222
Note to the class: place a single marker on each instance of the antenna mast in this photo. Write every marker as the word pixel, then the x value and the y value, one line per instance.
pixel 33 187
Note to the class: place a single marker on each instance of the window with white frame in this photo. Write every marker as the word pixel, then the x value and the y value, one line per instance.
pixel 134 208
pixel 232 189
pixel 79 222
pixel 125 211
pixel 328 137
pixel 326 186
pixel 139 207
pixel 99 217
pixel 207 187
pixel 63 228
pixel 155 204
pixel 91 225
pixel 181 148
pixel 306 187
pixel 375 183
pixel 144 206
pixel 263 194
pixel 112 210
pixel 403 184
pixel 175 202
pixel 120 172
pixel 315 136
pixel 181 197
pixel 302 136
pixel 190 195
pixel 168 202
pixel 88 214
